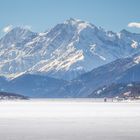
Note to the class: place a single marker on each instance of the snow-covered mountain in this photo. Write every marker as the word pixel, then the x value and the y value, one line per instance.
pixel 66 51
pixel 122 71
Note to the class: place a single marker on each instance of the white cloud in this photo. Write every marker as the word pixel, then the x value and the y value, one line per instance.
pixel 134 24
pixel 7 28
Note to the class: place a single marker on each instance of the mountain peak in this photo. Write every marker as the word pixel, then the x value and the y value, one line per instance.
pixel 65 51
pixel 72 21
pixel 19 29
pixel 79 24
pixel 16 35
pixel 124 31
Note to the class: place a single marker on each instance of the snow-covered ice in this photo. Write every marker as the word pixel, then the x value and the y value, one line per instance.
pixel 70 119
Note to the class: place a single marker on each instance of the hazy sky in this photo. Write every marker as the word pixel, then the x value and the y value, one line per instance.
pixel 43 14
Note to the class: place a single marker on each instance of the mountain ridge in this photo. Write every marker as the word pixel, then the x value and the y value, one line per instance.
pixel 119 72
pixel 66 51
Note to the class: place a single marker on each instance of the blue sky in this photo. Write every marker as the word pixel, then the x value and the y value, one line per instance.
pixel 43 14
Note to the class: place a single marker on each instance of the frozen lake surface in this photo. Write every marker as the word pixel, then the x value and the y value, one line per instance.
pixel 69 120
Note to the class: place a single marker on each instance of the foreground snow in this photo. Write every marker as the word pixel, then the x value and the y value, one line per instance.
pixel 69 120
